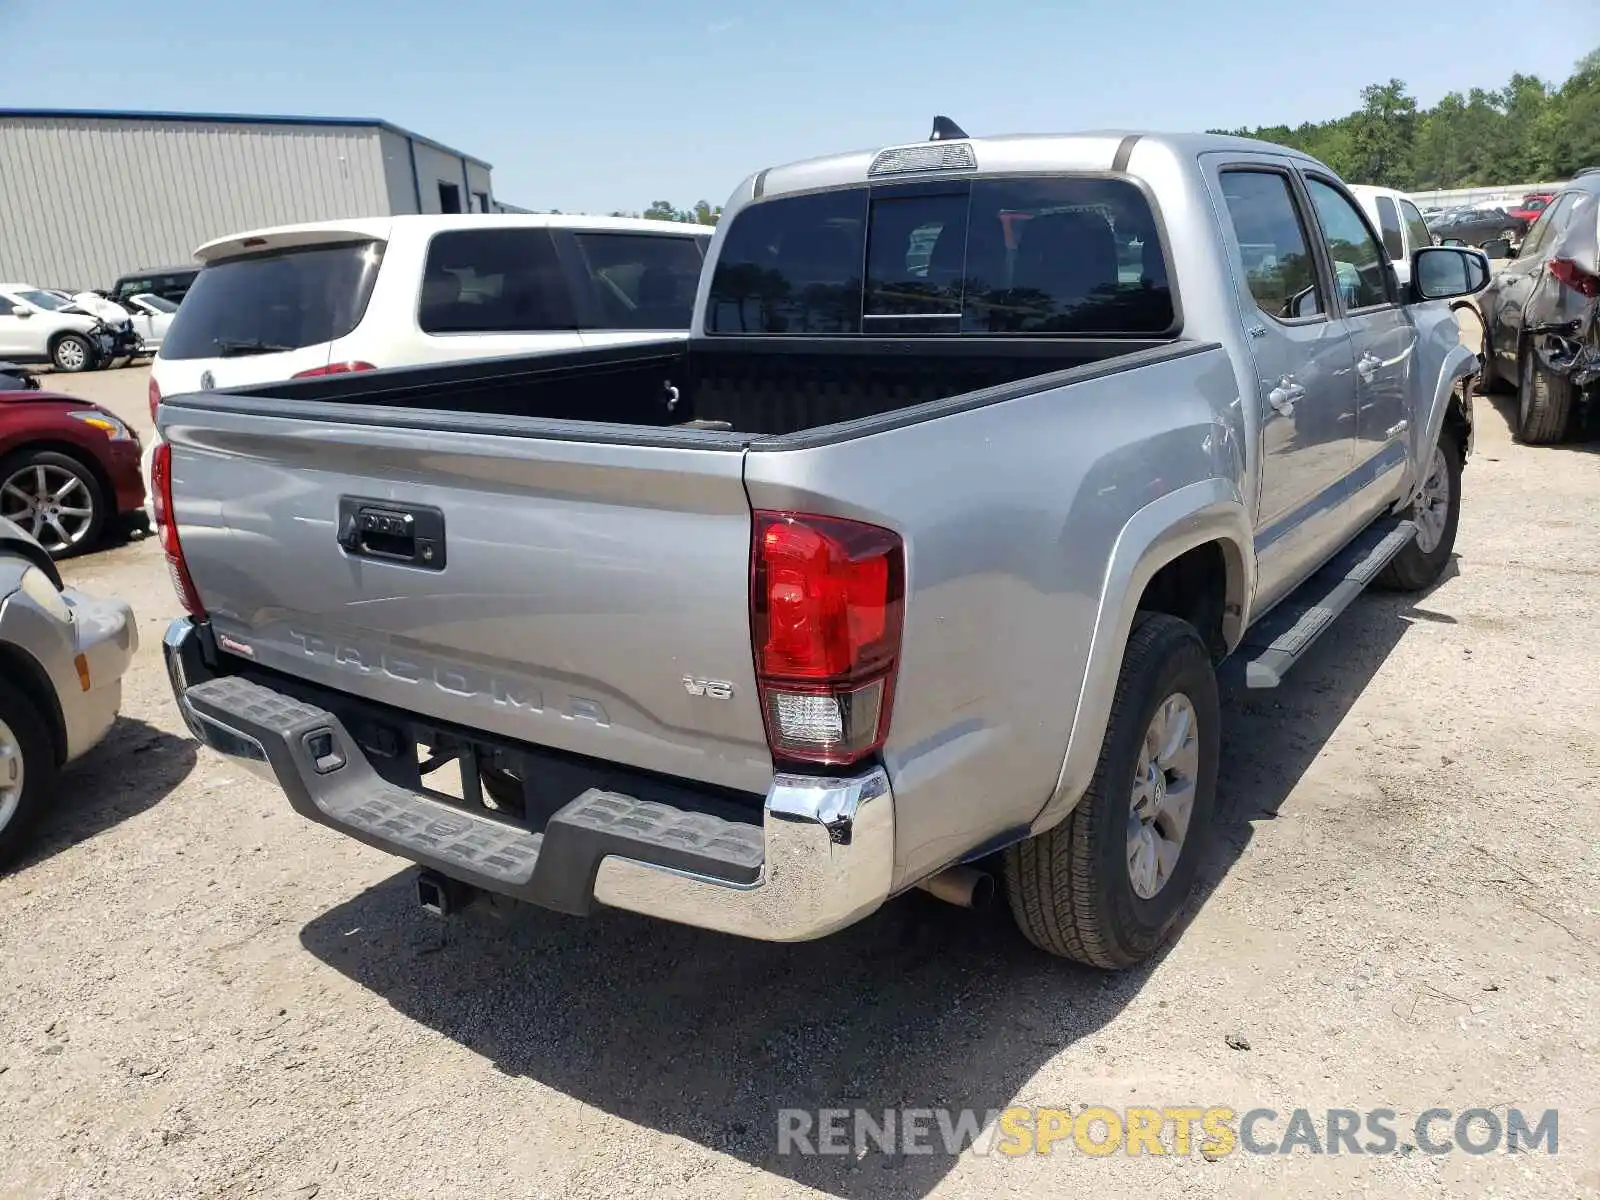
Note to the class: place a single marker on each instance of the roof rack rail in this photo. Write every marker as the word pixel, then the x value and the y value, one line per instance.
pixel 944 129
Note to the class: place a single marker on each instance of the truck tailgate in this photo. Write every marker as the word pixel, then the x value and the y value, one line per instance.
pixel 579 594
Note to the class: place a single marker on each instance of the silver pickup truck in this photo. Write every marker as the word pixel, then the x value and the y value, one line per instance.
pixel 915 566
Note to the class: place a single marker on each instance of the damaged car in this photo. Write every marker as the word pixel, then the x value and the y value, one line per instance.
pixel 1540 330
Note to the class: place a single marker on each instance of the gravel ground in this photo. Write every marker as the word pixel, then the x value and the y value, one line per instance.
pixel 205 995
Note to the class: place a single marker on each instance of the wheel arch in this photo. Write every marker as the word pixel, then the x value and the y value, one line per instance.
pixel 1187 534
pixel 24 673
pixel 108 491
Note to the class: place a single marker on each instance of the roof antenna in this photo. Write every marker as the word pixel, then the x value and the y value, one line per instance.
pixel 944 129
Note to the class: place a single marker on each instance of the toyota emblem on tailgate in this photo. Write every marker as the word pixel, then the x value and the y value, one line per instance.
pixel 207 381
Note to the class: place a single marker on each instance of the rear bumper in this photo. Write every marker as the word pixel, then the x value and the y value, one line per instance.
pixel 821 858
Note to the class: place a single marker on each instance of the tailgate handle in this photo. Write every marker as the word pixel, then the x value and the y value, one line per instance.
pixel 406 534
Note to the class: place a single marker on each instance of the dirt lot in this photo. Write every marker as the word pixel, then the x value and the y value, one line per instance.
pixel 205 995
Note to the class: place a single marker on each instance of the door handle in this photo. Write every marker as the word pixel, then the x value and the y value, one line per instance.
pixel 409 534
pixel 1283 397
pixel 1367 365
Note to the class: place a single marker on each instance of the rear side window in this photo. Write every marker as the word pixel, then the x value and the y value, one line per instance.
pixel 1273 247
pixel 1416 227
pixel 494 281
pixel 995 256
pixel 266 303
pixel 641 281
pixel 1389 226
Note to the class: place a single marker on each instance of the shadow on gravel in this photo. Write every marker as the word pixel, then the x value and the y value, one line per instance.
pixel 706 1037
pixel 132 770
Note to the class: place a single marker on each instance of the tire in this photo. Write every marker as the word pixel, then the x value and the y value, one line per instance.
pixel 72 353
pixel 1544 402
pixel 1437 513
pixel 1071 888
pixel 1491 381
pixel 73 532
pixel 27 758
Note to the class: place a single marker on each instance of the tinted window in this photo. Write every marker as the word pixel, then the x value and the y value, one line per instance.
pixel 1012 256
pixel 1549 223
pixel 1274 252
pixel 792 266
pixel 272 302
pixel 1416 228
pixel 1358 261
pixel 640 281
pixel 1389 226
pixel 1064 256
pixel 494 281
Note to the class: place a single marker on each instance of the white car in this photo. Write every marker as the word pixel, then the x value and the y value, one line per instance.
pixel 1399 223
pixel 152 315
pixel 39 326
pixel 363 294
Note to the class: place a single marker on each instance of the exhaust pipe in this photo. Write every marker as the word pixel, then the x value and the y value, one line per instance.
pixel 442 896
pixel 964 887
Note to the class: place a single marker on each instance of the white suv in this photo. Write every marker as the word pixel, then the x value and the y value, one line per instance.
pixel 357 295
pixel 1395 216
pixel 40 326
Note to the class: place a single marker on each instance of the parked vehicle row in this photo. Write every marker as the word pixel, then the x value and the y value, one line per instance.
pixel 914 564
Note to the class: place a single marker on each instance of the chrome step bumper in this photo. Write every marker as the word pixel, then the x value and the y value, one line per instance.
pixel 821 858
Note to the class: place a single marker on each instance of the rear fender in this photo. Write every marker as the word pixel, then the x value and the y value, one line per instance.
pixel 1208 511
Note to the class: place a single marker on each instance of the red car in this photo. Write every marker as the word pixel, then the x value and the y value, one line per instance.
pixel 69 470
pixel 1532 207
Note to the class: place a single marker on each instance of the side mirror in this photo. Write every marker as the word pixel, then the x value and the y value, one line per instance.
pixel 1443 272
pixel 18 311
pixel 1451 241
pixel 1498 248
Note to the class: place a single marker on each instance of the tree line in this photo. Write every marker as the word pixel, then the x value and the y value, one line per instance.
pixel 1525 132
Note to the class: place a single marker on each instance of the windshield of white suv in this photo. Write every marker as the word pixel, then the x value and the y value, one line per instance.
pixel 279 301
pixel 44 300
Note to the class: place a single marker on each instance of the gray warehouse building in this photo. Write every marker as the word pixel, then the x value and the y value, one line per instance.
pixel 86 196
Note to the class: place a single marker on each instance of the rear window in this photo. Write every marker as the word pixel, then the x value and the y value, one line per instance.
pixel 1044 256
pixel 494 281
pixel 266 303
pixel 640 281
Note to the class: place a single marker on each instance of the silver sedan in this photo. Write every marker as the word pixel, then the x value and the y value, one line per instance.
pixel 62 658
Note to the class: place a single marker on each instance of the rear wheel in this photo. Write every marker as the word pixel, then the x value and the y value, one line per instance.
pixel 55 498
pixel 1107 884
pixel 72 353
pixel 1544 401
pixel 27 768
pixel 1489 376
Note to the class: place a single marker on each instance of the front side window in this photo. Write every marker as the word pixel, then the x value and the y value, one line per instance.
pixel 641 280
pixel 1274 251
pixel 1416 228
pixel 493 281
pixel 270 303
pixel 1389 226
pixel 1358 261
pixel 1030 256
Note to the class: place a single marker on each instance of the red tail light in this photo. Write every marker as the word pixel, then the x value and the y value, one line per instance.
pixel 338 368
pixel 826 603
pixel 1575 277
pixel 155 399
pixel 167 528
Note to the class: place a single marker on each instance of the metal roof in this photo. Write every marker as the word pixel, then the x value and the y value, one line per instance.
pixel 112 114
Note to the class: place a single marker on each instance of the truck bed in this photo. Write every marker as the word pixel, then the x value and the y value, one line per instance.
pixel 763 386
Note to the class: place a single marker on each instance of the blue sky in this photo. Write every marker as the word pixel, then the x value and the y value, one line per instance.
pixel 591 106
